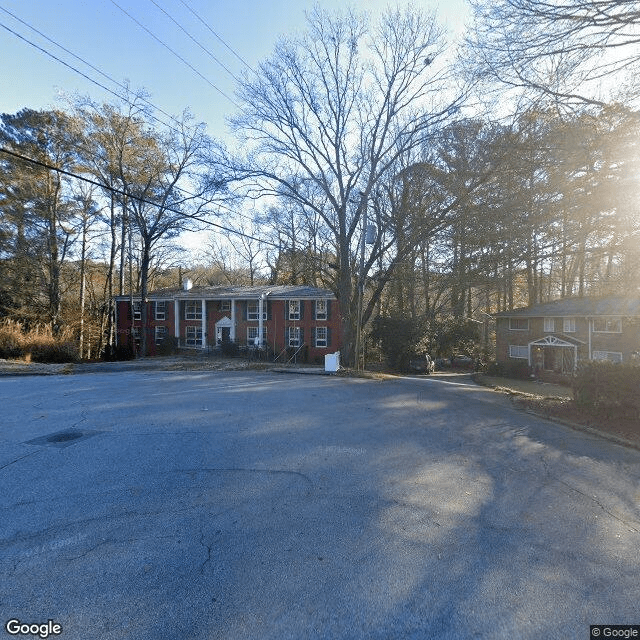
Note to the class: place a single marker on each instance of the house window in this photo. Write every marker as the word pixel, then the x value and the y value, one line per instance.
pixel 252 333
pixel 194 336
pixel 225 305
pixel 160 334
pixel 294 310
pixel 321 309
pixel 253 311
pixel 549 325
pixel 610 356
pixel 137 310
pixel 569 325
pixel 193 310
pixel 321 337
pixel 161 311
pixel 294 336
pixel 607 325
pixel 519 351
pixel 137 337
pixel 519 324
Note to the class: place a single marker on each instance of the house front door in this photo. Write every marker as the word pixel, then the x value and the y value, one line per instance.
pixel 223 334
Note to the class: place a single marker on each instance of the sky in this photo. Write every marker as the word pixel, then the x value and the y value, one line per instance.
pixel 105 34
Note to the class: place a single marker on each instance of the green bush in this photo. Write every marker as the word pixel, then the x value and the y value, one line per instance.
pixel 518 369
pixel 168 346
pixel 607 385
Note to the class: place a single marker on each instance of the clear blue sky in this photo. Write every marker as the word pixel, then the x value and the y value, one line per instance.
pixel 104 36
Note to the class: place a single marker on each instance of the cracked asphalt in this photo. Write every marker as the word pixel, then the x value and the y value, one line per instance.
pixel 255 505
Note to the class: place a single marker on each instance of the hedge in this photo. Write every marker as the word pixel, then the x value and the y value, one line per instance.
pixel 607 385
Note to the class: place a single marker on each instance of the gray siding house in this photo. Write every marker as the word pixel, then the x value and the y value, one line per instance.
pixel 556 336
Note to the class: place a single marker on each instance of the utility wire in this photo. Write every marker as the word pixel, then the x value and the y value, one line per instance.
pixel 194 40
pixel 120 192
pixel 177 55
pixel 235 53
pixel 91 66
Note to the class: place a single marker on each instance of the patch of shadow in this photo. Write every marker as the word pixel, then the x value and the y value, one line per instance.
pixel 63 438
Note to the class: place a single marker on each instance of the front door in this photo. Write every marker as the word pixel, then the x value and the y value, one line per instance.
pixel 223 334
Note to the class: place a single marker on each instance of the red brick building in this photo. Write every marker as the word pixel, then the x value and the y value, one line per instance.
pixel 294 321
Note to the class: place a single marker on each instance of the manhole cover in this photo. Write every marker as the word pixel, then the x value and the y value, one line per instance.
pixel 65 437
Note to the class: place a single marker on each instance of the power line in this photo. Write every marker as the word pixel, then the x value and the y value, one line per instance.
pixel 177 55
pixel 235 53
pixel 120 192
pixel 91 66
pixel 194 40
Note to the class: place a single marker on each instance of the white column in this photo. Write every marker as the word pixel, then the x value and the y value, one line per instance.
pixel 260 320
pixel 204 323
pixel 176 318
pixel 232 333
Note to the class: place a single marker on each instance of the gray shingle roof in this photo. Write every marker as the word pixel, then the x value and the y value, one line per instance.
pixel 294 292
pixel 626 306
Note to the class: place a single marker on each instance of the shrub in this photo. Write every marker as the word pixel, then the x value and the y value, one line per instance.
pixel 519 370
pixel 607 385
pixel 11 341
pixel 48 350
pixel 168 346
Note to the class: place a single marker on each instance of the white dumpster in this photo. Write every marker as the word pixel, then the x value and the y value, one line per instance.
pixel 332 361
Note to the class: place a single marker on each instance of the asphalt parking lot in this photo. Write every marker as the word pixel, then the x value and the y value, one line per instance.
pixel 230 505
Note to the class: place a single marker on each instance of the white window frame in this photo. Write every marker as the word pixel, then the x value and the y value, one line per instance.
pixel 294 337
pixel 607 356
pixel 193 335
pixel 137 310
pixel 519 351
pixel 193 310
pixel 568 325
pixel 160 333
pixel 608 322
pixel 160 310
pixel 321 309
pixel 253 311
pixel 252 332
pixel 512 321
pixel 137 335
pixel 549 325
pixel 294 310
pixel 225 305
pixel 322 342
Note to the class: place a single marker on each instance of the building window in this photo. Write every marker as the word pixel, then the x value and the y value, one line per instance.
pixel 161 310
pixel 137 336
pixel 294 336
pixel 519 324
pixel 194 336
pixel 160 334
pixel 607 325
pixel 253 311
pixel 252 334
pixel 549 325
pixel 225 305
pixel 321 309
pixel 519 351
pixel 193 310
pixel 610 356
pixel 569 325
pixel 137 310
pixel 294 310
pixel 321 337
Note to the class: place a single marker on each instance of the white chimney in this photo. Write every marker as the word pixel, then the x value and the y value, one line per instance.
pixel 187 284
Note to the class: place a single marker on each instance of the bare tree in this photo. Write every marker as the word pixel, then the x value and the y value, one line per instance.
pixel 563 50
pixel 330 113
